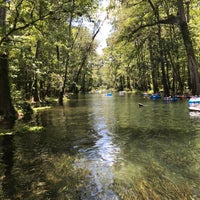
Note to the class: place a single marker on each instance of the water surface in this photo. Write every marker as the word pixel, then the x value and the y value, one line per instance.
pixel 112 138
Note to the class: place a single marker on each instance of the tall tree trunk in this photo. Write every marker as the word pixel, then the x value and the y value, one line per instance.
pixel 121 83
pixel 192 62
pixel 62 91
pixel 3 20
pixel 153 68
pixel 164 78
pixel 83 84
pixel 7 110
pixel 35 89
pixel 128 83
pixel 70 46
pixel 35 83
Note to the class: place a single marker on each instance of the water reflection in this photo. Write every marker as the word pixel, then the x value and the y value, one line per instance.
pixel 194 114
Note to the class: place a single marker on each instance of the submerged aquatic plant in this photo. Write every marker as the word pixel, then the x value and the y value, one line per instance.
pixel 56 178
pixel 156 189
pixel 47 175
pixel 155 185
pixel 30 129
pixel 67 180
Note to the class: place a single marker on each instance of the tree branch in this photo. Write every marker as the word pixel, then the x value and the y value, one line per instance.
pixel 28 24
pixel 171 20
pixel 14 29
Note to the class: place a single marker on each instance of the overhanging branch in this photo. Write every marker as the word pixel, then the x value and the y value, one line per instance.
pixel 171 20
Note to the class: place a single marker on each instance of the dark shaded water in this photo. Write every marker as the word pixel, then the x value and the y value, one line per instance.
pixel 111 137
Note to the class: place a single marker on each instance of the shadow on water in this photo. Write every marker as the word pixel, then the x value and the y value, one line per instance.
pixel 98 148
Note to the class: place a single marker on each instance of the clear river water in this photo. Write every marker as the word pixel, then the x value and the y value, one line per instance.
pixel 148 150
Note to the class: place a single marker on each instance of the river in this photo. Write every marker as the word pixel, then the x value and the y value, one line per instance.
pixel 113 144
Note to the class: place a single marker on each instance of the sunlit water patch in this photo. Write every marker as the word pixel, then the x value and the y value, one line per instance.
pixel 101 157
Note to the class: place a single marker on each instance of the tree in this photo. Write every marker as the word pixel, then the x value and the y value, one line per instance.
pixel 16 20
pixel 7 111
pixel 181 20
pixel 34 34
pixel 192 62
pixel 159 20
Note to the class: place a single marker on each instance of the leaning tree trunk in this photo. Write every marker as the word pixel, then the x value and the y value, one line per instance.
pixel 192 62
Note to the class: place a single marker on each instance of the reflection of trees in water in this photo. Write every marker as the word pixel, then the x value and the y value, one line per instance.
pixel 8 184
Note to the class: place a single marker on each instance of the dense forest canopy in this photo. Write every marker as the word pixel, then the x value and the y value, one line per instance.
pixel 48 49
pixel 155 46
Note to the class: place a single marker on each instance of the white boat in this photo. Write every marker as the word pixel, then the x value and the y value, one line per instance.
pixel 194 104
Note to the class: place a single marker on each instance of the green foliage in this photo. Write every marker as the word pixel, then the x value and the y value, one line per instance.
pixel 149 53
pixel 42 35
pixel 50 46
